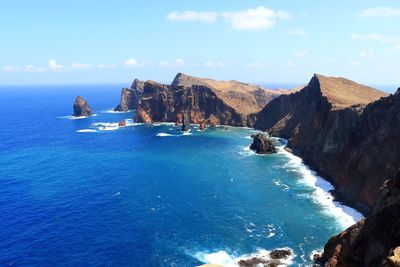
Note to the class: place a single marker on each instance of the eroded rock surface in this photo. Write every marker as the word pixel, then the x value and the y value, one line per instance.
pixel 81 107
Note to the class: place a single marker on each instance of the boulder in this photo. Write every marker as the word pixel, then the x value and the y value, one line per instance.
pixel 81 107
pixel 122 124
pixel 262 145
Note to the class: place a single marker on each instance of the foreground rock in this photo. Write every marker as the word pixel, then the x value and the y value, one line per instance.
pixel 275 259
pixel 374 241
pixel 332 127
pixel 262 145
pixel 81 107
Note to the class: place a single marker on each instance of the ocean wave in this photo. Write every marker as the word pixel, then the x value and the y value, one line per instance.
pixel 76 117
pixel 225 259
pixel 86 131
pixel 246 151
pixel 111 110
pixel 321 196
pixel 175 135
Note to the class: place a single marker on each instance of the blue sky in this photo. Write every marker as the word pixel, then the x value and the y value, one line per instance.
pixel 265 41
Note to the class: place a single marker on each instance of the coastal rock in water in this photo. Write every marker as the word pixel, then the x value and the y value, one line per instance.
pixel 262 145
pixel 345 131
pixel 122 124
pixel 185 122
pixel 81 107
pixel 130 96
pixel 273 260
pixel 373 241
pixel 202 126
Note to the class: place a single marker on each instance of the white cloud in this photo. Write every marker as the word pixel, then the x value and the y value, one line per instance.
pixel 27 68
pixel 379 12
pixel 207 17
pixel 106 66
pixel 131 62
pixel 298 31
pixel 254 19
pixel 53 65
pixel 212 64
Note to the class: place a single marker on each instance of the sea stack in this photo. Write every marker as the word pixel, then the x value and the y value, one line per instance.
pixel 185 122
pixel 262 145
pixel 81 107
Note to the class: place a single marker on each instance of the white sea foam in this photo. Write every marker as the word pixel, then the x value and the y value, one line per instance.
pixel 164 134
pixel 225 259
pixel 111 110
pixel 76 117
pixel 86 131
pixel 320 195
pixel 246 151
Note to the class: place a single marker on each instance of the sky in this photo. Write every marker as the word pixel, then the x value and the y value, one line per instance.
pixel 257 41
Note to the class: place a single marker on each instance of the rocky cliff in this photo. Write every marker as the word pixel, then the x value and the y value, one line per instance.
pixel 165 103
pixel 81 107
pixel 332 127
pixel 207 101
pixel 374 241
pixel 244 98
pixel 130 96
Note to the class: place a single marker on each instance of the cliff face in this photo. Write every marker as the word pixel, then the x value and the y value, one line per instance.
pixel 130 96
pixel 164 103
pixel 372 241
pixel 329 126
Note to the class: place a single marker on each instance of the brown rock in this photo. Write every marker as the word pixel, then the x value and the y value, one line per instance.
pixel 122 124
pixel 81 107
pixel 202 126
pixel 130 96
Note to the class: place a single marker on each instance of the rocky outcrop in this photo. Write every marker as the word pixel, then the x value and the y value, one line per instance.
pixel 274 259
pixel 373 241
pixel 81 107
pixel 330 126
pixel 130 96
pixel 185 122
pixel 122 124
pixel 262 145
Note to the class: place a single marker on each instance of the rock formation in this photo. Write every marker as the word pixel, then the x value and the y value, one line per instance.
pixel 262 145
pixel 374 241
pixel 202 126
pixel 216 102
pixel 81 107
pixel 185 122
pixel 122 123
pixel 330 125
pixel 274 258
pixel 130 96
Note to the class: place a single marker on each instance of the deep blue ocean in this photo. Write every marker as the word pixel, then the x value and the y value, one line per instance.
pixel 84 192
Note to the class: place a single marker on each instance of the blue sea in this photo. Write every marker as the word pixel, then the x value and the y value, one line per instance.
pixel 85 192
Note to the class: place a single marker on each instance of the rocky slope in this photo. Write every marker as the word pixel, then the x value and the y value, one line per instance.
pixel 374 241
pixel 81 107
pixel 330 126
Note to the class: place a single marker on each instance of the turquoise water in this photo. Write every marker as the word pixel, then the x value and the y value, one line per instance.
pixel 83 192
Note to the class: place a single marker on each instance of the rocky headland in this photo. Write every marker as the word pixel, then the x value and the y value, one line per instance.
pixel 81 107
pixel 207 101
